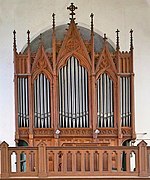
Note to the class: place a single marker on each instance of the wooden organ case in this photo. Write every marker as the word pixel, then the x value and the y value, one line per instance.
pixel 72 95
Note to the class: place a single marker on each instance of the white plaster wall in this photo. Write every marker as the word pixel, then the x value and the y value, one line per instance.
pixel 35 15
pixel 0 161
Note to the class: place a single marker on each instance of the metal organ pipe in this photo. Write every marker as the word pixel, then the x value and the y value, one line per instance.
pixel 105 102
pixel 73 95
pixel 42 110
pixel 73 99
pixel 23 102
pixel 125 101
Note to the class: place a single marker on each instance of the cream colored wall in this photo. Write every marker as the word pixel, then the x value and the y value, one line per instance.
pixel 35 15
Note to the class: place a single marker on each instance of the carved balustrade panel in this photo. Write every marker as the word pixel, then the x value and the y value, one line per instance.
pixel 74 161
pixel 26 161
pixel 99 161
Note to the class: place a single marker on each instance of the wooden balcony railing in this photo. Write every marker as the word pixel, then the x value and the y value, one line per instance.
pixel 76 161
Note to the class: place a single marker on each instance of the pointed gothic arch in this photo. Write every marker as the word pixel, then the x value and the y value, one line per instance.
pixel 43 71
pixel 82 60
pixel 41 61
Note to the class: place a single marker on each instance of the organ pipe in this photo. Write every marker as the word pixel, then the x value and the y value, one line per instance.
pixel 42 105
pixel 73 95
pixel 105 102
pixel 125 102
pixel 23 102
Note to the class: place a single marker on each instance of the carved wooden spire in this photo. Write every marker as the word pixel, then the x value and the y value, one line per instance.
pixel 54 43
pixel 72 8
pixel 53 16
pixel 117 40
pixel 54 72
pixel 14 44
pixel 131 39
pixel 40 39
pixel 28 38
pixel 92 24
pixel 29 52
pixel 105 38
pixel 15 50
pixel 92 42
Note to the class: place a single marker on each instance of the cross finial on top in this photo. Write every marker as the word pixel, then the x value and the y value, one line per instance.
pixel 131 31
pixel 117 43
pixel 72 8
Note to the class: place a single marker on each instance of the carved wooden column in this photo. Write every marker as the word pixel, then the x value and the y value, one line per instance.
pixel 128 161
pixel 82 161
pixel 100 159
pixel 4 160
pixel 109 161
pixel 55 102
pixel 92 161
pixel 18 162
pixel 93 104
pixel 30 91
pixel 30 111
pixel 119 161
pixel 42 160
pixel 132 107
pixel 143 168
pixel 30 88
pixel 55 81
pixel 73 161
pixel 15 87
pixel 132 87
pixel 16 107
pixel 117 109
pixel 64 161
pixel 56 164
pixel 93 81
pixel 117 95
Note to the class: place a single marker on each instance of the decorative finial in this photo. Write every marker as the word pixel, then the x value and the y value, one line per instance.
pixel 28 39
pixel 131 39
pixel 105 38
pixel 53 16
pixel 72 8
pixel 117 42
pixel 15 46
pixel 92 25
pixel 40 38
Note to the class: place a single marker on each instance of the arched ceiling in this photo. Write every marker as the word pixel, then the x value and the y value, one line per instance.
pixel 60 33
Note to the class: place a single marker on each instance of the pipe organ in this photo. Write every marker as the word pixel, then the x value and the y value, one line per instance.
pixel 71 91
